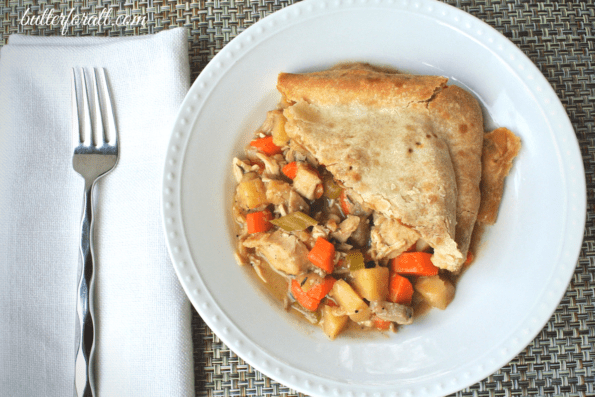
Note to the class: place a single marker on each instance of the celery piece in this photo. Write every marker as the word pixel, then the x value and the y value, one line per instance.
pixel 294 222
pixel 313 317
pixel 355 260
pixel 331 189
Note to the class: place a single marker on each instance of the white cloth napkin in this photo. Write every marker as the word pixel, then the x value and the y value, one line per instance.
pixel 143 334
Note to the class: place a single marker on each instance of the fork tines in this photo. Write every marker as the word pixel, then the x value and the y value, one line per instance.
pixel 93 104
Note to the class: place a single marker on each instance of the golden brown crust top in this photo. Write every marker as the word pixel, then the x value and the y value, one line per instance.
pixel 457 118
pixel 391 161
pixel 500 147
pixel 366 127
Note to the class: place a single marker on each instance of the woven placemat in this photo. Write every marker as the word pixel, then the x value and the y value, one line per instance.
pixel 558 36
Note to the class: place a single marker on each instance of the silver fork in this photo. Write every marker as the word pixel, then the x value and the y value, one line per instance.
pixel 95 154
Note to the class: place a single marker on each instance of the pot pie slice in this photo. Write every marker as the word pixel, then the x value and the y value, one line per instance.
pixel 359 187
pixel 407 146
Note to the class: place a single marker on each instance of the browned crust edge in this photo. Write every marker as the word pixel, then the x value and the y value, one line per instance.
pixel 358 86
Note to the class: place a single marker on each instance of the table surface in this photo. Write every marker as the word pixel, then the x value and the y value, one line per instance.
pixel 558 36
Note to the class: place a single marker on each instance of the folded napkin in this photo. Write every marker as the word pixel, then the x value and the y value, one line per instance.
pixel 143 335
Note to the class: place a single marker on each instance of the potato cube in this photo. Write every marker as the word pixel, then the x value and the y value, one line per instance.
pixel 280 137
pixel 332 324
pixel 436 291
pixel 275 125
pixel 251 194
pixel 350 301
pixel 371 284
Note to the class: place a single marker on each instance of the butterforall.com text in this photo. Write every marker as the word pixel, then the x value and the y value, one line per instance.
pixel 105 18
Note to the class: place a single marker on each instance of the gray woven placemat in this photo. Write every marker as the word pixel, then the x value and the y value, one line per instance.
pixel 558 36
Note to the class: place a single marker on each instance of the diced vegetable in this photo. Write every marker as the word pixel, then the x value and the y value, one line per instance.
pixel 302 297
pixel 436 291
pixel 310 299
pixel 251 194
pixel 400 289
pixel 309 280
pixel 371 284
pixel 355 260
pixel 469 259
pixel 294 222
pixel 390 311
pixel 280 137
pixel 319 291
pixel 322 255
pixel 346 204
pixel 316 286
pixel 259 221
pixel 331 189
pixel 332 324
pixel 381 324
pixel 266 146
pixel 414 264
pixel 290 169
pixel 313 317
pixel 350 301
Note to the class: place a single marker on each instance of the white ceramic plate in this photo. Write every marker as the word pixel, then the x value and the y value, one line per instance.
pixel 527 258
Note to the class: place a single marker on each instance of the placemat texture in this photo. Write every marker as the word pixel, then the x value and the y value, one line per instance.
pixel 558 36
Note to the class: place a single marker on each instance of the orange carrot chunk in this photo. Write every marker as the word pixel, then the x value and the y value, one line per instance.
pixel 381 324
pixel 469 259
pixel 346 205
pixel 319 291
pixel 400 289
pixel 302 297
pixel 259 221
pixel 290 170
pixel 414 264
pixel 266 145
pixel 322 255
pixel 311 299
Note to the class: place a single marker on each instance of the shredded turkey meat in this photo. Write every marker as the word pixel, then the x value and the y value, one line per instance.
pixel 346 228
pixel 283 251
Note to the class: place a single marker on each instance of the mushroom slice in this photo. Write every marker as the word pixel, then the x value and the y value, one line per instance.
pixel 389 311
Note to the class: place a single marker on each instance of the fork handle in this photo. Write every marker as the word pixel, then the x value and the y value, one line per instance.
pixel 86 334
